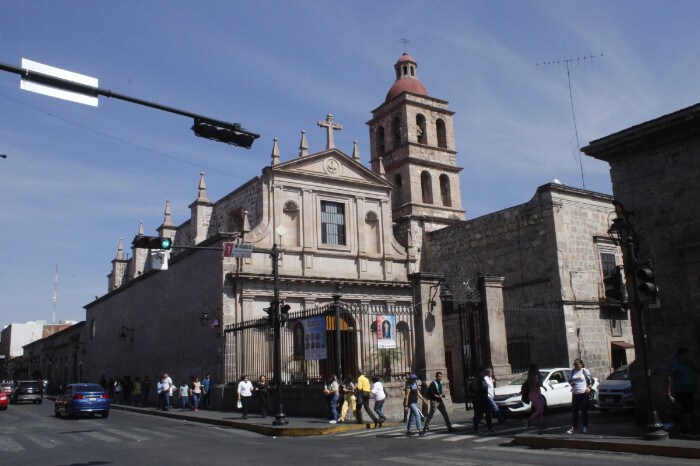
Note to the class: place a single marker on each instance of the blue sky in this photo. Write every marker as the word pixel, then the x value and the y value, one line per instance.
pixel 77 178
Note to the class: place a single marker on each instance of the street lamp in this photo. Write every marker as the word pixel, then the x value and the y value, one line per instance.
pixel 622 231
pixel 123 334
pixel 280 418
pixel 204 319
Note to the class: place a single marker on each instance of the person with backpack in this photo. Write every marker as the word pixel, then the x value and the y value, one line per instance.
pixel 411 400
pixel 581 382
pixel 480 391
pixel 379 398
pixel 436 395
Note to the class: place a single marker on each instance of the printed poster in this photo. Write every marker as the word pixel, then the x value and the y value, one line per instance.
pixel 386 327
pixel 310 339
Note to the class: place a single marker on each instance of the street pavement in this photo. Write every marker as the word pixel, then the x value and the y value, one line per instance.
pixel 29 434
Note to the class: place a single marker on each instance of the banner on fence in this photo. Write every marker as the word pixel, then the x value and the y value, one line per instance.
pixel 385 331
pixel 310 339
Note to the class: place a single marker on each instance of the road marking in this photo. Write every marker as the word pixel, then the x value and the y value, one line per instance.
pixel 42 441
pixel 153 432
pixel 7 444
pixel 126 434
pixel 104 438
pixel 487 439
pixel 457 438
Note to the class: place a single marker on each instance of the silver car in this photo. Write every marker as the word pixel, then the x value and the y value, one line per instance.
pixel 615 392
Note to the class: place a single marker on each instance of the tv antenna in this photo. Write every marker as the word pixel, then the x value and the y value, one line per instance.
pixel 566 62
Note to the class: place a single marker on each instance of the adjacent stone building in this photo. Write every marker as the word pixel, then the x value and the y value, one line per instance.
pixel 655 167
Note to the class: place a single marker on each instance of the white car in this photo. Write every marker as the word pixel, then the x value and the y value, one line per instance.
pixel 556 391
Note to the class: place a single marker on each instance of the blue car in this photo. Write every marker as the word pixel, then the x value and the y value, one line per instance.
pixel 82 398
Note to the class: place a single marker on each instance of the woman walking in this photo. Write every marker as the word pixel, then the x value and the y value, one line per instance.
pixel 534 383
pixel 263 390
pixel 580 382
pixel 196 393
pixel 349 400
pixel 245 391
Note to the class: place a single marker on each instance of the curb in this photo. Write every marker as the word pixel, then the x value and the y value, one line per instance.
pixel 269 430
pixel 632 445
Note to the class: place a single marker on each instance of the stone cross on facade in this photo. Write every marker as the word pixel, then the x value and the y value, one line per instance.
pixel 330 127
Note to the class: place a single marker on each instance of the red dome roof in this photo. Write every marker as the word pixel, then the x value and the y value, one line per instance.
pixel 405 57
pixel 406 84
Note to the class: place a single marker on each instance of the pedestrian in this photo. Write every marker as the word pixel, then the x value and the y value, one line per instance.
pixel 581 382
pixel 363 393
pixel 263 391
pixel 679 389
pixel 161 394
pixel 184 395
pixel 411 400
pixel 110 388
pixel 206 392
pixel 491 382
pixel 145 390
pixel 480 391
pixel 127 387
pixel 379 398
pixel 349 400
pixel 168 387
pixel 331 390
pixel 245 391
pixel 534 388
pixel 436 396
pixel 103 382
pixel 118 389
pixel 406 386
pixel 196 393
pixel 137 392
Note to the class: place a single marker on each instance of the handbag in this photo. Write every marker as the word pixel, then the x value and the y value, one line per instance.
pixel 239 405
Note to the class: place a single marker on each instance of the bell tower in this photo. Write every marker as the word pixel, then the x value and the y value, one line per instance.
pixel 412 141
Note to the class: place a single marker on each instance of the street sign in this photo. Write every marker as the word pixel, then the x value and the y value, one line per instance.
pixel 237 250
pixel 159 260
pixel 28 84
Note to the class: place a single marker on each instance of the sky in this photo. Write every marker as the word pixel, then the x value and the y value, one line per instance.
pixel 77 178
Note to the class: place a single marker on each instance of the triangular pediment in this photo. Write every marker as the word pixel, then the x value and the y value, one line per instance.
pixel 330 164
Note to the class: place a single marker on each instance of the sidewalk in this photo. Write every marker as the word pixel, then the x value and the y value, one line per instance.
pixel 608 434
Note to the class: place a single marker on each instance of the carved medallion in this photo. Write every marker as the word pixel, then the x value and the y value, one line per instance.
pixel 332 166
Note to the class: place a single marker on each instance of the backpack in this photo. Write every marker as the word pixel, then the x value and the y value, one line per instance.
pixel 475 387
pixel 525 392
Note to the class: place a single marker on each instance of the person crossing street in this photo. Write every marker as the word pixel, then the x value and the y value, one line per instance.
pixel 363 393
pixel 436 396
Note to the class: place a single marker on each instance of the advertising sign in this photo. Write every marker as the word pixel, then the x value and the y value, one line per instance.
pixel 310 339
pixel 386 327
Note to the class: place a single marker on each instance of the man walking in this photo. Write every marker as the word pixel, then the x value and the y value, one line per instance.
pixel 481 402
pixel 680 389
pixel 206 394
pixel 436 396
pixel 167 386
pixel 363 390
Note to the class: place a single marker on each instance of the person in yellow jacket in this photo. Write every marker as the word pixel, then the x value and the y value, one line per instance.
pixel 363 391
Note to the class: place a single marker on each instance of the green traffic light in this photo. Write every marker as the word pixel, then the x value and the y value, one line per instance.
pixel 165 243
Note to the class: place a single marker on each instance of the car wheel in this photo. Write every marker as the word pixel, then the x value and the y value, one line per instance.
pixel 105 415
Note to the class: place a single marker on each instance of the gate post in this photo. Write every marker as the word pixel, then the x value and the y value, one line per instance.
pixel 429 352
pixel 495 326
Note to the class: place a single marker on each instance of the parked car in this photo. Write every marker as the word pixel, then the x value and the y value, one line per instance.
pixel 8 388
pixel 557 393
pixel 82 398
pixel 28 390
pixel 615 392
pixel 4 400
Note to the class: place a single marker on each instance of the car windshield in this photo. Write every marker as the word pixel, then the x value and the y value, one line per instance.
pixel 92 387
pixel 519 380
pixel 620 374
pixel 29 384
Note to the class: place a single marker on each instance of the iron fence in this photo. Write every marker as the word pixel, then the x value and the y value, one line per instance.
pixel 536 335
pixel 250 345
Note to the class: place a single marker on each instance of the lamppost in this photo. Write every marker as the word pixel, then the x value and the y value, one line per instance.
pixel 622 231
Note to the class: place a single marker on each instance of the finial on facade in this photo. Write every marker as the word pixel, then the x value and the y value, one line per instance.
pixel 167 222
pixel 246 224
pixel 275 152
pixel 381 166
pixel 202 189
pixel 141 228
pixel 120 251
pixel 303 145
pixel 355 152
pixel 330 127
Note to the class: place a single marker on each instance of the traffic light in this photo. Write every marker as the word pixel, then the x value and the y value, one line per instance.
pixel 270 314
pixel 152 242
pixel 615 286
pixel 646 282
pixel 234 135
pixel 284 312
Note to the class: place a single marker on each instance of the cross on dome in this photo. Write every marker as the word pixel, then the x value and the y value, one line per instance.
pixel 330 127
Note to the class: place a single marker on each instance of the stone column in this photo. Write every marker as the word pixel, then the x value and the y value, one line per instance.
pixel 495 326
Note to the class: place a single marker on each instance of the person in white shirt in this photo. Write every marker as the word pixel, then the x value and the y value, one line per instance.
pixel 167 388
pixel 245 391
pixel 379 398
pixel 494 407
pixel 580 381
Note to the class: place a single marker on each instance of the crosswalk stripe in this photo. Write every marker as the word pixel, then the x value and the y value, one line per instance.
pixel 153 432
pixel 41 440
pixel 8 444
pixel 102 437
pixel 126 434
pixel 487 439
pixel 457 438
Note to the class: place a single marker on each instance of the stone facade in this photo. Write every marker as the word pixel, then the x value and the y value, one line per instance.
pixel 58 356
pixel 654 169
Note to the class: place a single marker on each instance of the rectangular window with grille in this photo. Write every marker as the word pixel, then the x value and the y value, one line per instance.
pixel 607 261
pixel 332 223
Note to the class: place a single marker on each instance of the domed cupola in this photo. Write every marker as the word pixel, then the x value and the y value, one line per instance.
pixel 406 79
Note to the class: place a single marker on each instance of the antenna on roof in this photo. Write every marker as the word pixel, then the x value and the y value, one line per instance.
pixel 584 59
pixel 405 42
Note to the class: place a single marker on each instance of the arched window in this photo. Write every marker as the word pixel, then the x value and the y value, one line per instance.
pixel 380 140
pixel 441 133
pixel 445 190
pixel 398 190
pixel 420 129
pixel 396 132
pixel 405 70
pixel 426 188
